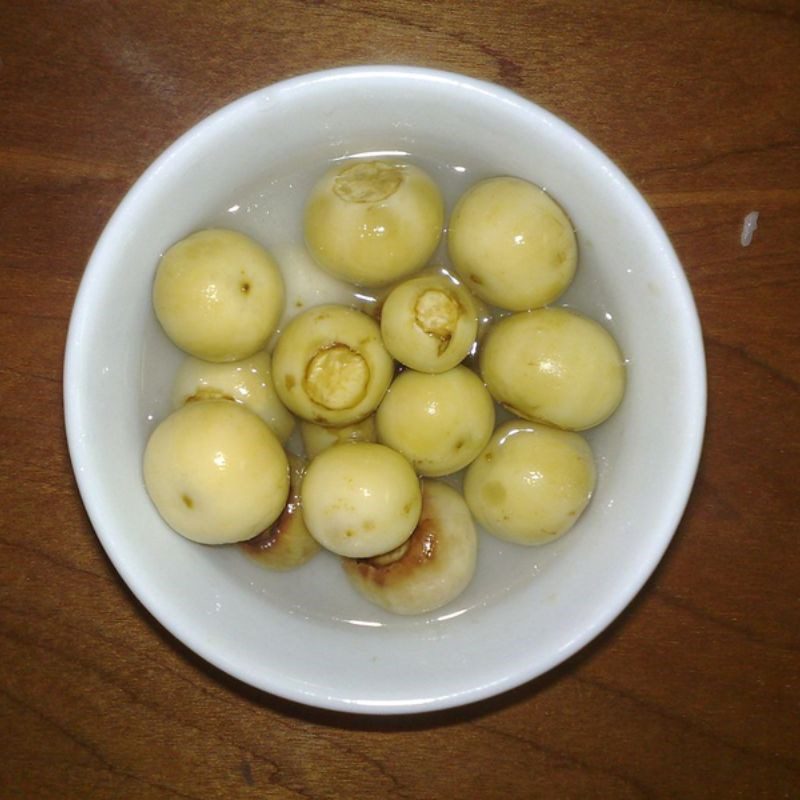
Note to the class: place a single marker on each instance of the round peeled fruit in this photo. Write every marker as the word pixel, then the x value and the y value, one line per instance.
pixel 531 483
pixel 555 366
pixel 360 499
pixel 215 472
pixel 439 422
pixel 512 244
pixel 330 366
pixel 429 323
pixel 432 567
pixel 373 222
pixel 218 295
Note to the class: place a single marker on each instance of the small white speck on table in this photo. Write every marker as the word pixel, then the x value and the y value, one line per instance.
pixel 749 228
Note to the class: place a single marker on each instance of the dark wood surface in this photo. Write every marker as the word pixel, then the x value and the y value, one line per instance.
pixel 695 690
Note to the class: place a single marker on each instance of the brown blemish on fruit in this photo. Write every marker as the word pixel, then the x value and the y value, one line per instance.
pixel 286 543
pixel 290 382
pixel 269 538
pixel 475 279
pixel 396 565
pixel 187 501
pixel 244 287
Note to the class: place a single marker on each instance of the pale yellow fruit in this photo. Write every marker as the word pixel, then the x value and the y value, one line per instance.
pixel 439 422
pixel 360 499
pixel 248 381
pixel 317 438
pixel 429 323
pixel 218 295
pixel 216 472
pixel 531 483
pixel 432 567
pixel 286 544
pixel 512 243
pixel 330 366
pixel 373 222
pixel 555 366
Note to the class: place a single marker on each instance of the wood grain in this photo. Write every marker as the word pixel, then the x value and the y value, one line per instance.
pixel 694 692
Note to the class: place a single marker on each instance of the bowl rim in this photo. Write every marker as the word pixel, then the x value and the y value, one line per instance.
pixel 72 392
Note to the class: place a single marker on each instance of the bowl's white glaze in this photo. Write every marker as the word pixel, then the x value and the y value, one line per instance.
pixel 305 635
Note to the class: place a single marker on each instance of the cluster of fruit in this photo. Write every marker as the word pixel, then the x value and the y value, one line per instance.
pixel 386 403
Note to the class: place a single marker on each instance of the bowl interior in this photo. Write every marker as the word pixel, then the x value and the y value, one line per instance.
pixel 306 635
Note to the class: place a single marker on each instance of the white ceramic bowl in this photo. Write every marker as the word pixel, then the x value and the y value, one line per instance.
pixel 306 635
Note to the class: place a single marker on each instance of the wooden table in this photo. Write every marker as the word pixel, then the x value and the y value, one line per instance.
pixel 694 691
